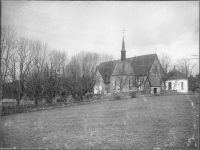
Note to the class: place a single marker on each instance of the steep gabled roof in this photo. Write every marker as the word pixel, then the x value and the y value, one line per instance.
pixel 154 81
pixel 141 66
pixel 106 69
pixel 174 74
pixel 123 68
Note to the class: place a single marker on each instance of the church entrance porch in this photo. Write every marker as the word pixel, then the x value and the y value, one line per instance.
pixel 155 91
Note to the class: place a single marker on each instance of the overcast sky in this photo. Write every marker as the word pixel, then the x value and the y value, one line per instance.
pixel 170 27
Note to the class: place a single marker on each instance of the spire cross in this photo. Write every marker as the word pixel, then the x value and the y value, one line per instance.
pixel 123 31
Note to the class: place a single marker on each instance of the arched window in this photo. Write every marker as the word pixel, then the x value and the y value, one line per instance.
pixel 130 84
pixel 114 85
pixel 170 85
pixel 182 86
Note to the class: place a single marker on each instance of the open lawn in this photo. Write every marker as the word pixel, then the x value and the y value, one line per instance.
pixel 161 122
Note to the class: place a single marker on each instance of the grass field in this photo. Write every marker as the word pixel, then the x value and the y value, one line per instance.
pixel 161 122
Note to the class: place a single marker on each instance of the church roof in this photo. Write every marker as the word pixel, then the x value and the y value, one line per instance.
pixel 106 69
pixel 174 74
pixel 154 81
pixel 123 68
pixel 141 66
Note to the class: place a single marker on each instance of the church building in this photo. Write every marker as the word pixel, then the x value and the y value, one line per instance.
pixel 177 81
pixel 129 74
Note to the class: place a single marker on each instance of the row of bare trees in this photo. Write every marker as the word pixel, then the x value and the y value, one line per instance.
pixel 32 69
pixel 184 65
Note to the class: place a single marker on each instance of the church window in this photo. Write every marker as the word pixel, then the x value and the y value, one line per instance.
pixel 114 85
pixel 140 84
pixel 170 85
pixel 182 86
pixel 120 85
pixel 130 85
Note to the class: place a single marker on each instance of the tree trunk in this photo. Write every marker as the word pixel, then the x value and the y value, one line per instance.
pixel 36 102
pixel 18 101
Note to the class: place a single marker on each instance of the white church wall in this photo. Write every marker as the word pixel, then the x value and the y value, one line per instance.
pixel 99 87
pixel 177 85
pixel 125 88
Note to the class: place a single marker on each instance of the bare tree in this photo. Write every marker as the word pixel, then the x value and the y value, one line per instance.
pixel 39 56
pixel 54 74
pixel 82 73
pixel 57 61
pixel 8 47
pixel 29 68
pixel 92 60
pixel 105 57
pixel 34 87
pixel 8 44
pixel 186 66
pixel 35 79
pixel 166 62
pixel 12 70
pixel 24 59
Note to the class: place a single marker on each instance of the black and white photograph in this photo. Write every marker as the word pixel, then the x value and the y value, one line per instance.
pixel 99 75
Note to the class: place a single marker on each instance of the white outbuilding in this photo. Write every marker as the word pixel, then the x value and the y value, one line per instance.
pixel 177 81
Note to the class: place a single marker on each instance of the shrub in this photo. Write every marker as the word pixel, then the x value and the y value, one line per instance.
pixel 116 95
pixel 143 92
pixel 98 96
pixel 70 99
pixel 60 100
pixel 133 94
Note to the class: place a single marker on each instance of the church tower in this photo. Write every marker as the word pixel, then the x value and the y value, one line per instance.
pixel 123 51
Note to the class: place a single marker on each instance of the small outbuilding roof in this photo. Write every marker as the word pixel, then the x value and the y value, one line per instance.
pixel 174 74
pixel 154 81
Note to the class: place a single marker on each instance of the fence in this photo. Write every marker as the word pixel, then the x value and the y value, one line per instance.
pixel 8 110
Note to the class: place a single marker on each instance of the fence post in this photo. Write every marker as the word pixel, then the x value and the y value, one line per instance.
pixel 9 109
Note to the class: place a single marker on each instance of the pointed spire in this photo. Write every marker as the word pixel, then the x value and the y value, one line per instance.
pixel 123 45
pixel 123 51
